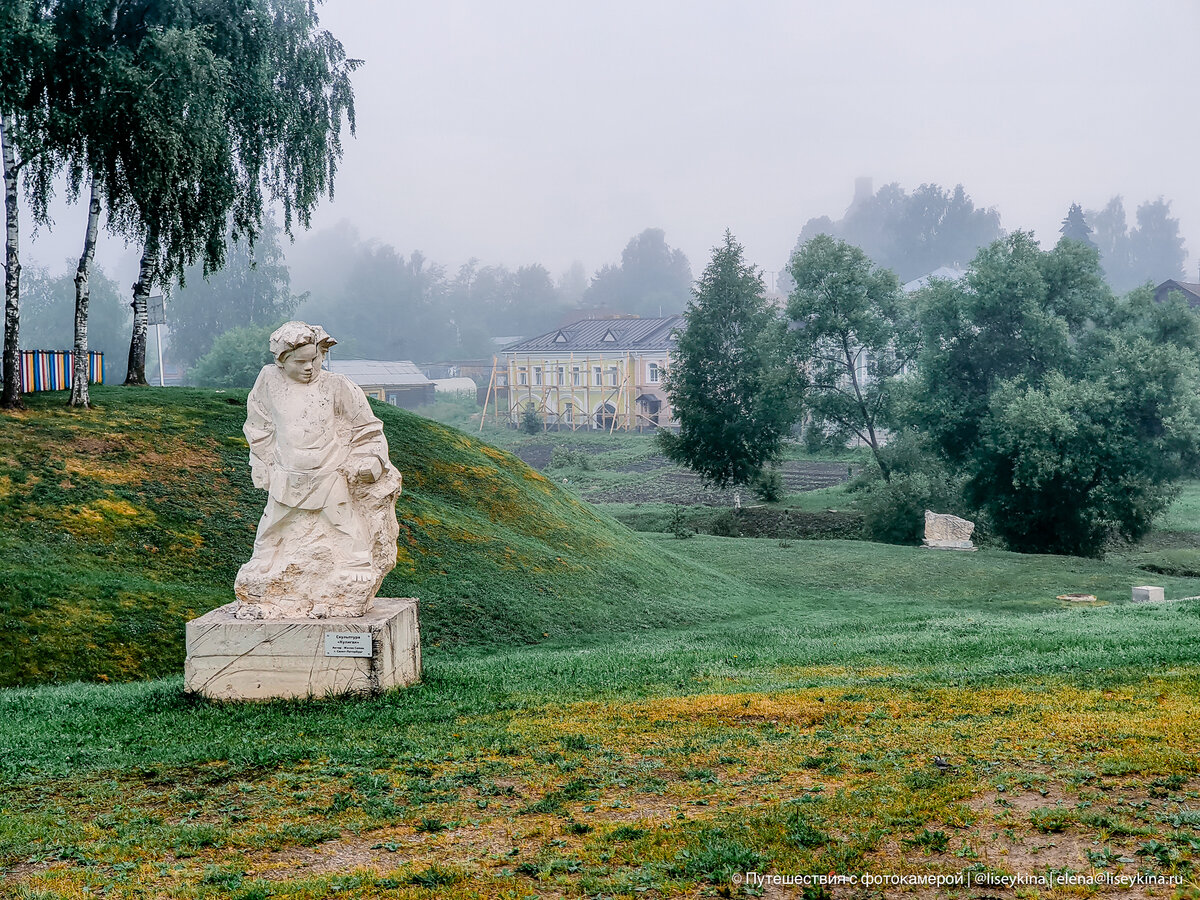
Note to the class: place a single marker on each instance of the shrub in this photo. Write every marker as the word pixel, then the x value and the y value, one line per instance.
pixel 894 509
pixel 566 458
pixel 235 359
pixel 531 422
pixel 724 524
pixel 767 485
pixel 679 524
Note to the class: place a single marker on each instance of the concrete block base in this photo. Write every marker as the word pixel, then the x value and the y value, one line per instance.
pixel 264 659
pixel 1147 593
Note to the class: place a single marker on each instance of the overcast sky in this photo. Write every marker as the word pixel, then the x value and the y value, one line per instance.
pixel 521 132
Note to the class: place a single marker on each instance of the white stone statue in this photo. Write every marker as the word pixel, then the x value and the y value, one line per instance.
pixel 328 534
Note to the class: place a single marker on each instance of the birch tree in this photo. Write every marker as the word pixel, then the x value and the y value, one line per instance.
pixel 24 43
pixel 190 117
pixel 81 357
pixel 281 120
pixel 11 396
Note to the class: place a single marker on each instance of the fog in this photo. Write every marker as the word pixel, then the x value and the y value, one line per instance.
pixel 552 132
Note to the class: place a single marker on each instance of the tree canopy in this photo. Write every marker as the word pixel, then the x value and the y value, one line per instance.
pixel 253 288
pixel 853 329
pixel 653 278
pixel 1070 414
pixel 1075 226
pixel 911 234
pixel 734 387
pixel 1152 251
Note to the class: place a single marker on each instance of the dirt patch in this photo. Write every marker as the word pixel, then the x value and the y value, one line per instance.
pixel 535 455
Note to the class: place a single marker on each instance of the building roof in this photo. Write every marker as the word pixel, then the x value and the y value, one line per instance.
pixel 455 385
pixel 601 335
pixel 942 273
pixel 374 372
pixel 1191 292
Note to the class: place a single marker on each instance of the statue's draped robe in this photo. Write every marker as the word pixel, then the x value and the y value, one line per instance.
pixel 326 538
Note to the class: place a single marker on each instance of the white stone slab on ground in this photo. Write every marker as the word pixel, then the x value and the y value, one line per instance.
pixel 1147 593
pixel 262 659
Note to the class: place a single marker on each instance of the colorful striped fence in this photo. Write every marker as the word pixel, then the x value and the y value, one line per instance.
pixel 51 370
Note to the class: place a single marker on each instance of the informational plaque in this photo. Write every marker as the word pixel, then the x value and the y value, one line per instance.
pixel 348 643
pixel 155 310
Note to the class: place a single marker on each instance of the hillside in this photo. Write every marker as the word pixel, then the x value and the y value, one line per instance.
pixel 119 524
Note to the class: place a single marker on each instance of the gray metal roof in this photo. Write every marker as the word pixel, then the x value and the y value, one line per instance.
pixel 374 372
pixel 943 273
pixel 626 334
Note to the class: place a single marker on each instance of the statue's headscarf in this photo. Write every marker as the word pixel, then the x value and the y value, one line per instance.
pixel 290 335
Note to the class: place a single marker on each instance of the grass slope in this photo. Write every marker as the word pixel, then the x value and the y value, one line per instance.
pixel 120 523
pixel 797 735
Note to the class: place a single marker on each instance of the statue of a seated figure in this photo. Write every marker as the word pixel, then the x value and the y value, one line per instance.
pixel 328 534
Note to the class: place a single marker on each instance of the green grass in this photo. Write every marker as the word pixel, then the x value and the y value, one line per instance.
pixel 696 708
pixel 796 732
pixel 120 523
pixel 1184 513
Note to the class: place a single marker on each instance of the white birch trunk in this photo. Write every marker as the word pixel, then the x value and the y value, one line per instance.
pixel 136 374
pixel 10 397
pixel 83 274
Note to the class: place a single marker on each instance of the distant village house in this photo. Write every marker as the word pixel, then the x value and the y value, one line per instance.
pixel 590 374
pixel 398 382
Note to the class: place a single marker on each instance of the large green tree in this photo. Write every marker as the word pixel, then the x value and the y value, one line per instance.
pixel 287 102
pixel 734 386
pixel 139 102
pixel 1069 414
pixel 1016 314
pixel 189 116
pixel 855 333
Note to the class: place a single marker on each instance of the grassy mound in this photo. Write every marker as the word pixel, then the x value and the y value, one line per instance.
pixel 120 523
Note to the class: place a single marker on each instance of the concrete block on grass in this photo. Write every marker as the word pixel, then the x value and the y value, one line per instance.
pixel 1148 594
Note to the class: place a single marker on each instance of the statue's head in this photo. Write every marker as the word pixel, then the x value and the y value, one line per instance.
pixel 299 349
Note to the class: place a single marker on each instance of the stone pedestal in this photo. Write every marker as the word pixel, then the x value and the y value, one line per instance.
pixel 263 659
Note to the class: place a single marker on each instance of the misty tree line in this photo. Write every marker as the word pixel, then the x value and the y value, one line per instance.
pixel 914 234
pixel 383 304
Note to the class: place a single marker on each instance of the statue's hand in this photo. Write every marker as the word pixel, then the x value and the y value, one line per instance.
pixel 369 470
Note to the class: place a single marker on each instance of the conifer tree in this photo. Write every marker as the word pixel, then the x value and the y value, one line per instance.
pixel 734 387
pixel 1075 226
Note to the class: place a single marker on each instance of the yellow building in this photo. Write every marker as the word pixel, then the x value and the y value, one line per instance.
pixel 592 374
